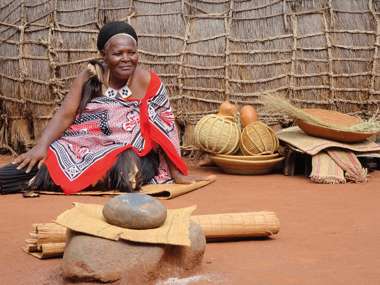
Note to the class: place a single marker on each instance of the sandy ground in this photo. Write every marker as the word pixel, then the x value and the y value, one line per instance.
pixel 330 234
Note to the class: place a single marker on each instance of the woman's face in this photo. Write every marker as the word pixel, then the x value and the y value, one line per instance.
pixel 120 55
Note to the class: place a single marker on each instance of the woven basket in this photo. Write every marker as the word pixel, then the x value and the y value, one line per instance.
pixel 247 167
pixel 265 156
pixel 258 138
pixel 217 134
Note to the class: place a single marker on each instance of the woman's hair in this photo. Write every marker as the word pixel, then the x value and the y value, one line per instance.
pixel 93 87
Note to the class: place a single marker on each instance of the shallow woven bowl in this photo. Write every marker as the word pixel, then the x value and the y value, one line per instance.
pixel 258 138
pixel 333 118
pixel 217 134
pixel 249 157
pixel 247 167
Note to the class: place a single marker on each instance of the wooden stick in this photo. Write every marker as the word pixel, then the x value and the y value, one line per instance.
pixel 48 227
pixel 47 250
pixel 48 233
pixel 52 249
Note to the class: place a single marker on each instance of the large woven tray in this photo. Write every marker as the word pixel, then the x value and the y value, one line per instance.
pixel 267 156
pixel 333 118
pixel 247 167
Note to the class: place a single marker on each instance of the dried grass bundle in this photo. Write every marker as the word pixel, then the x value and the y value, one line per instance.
pixel 277 104
pixel 21 133
pixel 371 125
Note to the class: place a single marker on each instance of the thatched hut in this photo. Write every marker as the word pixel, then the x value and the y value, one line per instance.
pixel 318 53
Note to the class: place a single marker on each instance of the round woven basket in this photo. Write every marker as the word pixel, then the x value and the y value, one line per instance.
pixel 217 134
pixel 258 138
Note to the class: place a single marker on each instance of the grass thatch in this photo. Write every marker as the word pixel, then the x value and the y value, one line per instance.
pixel 319 53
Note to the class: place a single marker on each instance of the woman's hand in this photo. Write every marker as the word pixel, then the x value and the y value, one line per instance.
pixel 35 156
pixel 61 120
pixel 188 179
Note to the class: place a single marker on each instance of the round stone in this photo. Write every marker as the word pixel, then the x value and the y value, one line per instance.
pixel 135 211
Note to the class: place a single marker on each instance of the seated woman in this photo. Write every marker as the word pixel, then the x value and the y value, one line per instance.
pixel 115 128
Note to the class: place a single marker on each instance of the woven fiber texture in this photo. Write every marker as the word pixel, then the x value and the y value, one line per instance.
pixel 325 170
pixel 320 53
pixel 258 138
pixel 217 134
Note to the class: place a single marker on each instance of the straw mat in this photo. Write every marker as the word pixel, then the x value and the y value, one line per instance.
pixel 352 167
pixel 337 166
pixel 88 219
pixel 312 145
pixel 325 170
pixel 161 191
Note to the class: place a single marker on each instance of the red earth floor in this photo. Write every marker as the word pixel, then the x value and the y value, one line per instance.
pixel 330 234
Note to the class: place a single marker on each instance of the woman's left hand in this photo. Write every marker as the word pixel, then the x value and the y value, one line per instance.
pixel 188 179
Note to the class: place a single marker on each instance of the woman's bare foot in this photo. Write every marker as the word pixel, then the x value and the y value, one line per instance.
pixel 188 179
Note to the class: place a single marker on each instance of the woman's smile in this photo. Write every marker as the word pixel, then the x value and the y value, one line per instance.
pixel 125 67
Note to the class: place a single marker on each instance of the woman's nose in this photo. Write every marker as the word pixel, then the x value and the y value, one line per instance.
pixel 125 57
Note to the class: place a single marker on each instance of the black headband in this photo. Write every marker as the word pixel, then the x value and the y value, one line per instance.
pixel 112 28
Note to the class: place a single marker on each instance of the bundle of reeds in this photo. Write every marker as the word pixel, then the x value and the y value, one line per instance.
pixel 278 104
pixel 46 240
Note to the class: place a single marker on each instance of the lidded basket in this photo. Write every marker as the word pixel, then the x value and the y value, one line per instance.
pixel 217 134
pixel 258 138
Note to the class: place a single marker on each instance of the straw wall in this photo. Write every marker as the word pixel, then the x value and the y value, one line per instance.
pixel 318 53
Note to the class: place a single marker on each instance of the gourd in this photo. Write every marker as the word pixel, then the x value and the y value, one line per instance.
pixel 248 115
pixel 227 109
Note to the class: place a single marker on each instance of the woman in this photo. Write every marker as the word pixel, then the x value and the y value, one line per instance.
pixel 115 127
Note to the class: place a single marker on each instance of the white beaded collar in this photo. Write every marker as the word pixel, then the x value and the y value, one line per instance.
pixel 123 93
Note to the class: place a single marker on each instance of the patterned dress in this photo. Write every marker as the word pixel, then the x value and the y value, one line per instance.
pixel 110 125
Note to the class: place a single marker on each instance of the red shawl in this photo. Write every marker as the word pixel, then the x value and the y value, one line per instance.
pixel 108 126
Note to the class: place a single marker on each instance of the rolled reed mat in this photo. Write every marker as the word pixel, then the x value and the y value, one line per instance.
pixel 238 225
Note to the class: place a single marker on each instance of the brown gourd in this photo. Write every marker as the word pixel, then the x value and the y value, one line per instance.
pixel 248 115
pixel 227 109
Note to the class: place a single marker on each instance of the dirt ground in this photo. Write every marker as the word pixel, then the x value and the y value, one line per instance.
pixel 330 234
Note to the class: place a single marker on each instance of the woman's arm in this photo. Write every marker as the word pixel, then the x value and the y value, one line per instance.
pixel 61 120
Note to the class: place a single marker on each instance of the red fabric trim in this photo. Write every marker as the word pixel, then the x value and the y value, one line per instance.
pixel 169 149
pixel 88 177
pixel 94 173
pixel 154 86
pixel 91 175
pixel 153 133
